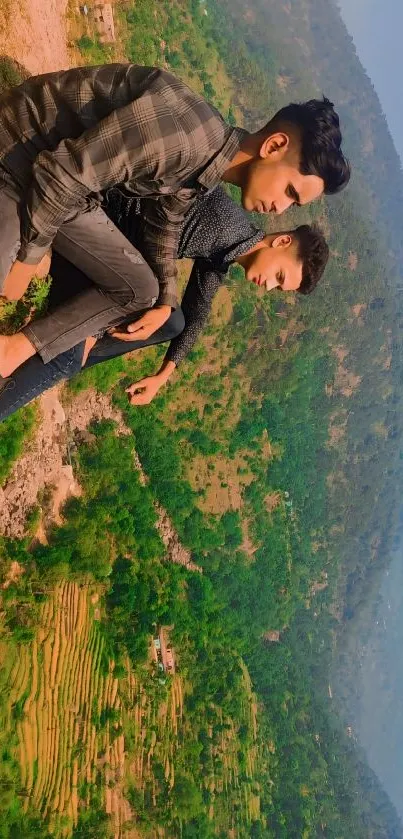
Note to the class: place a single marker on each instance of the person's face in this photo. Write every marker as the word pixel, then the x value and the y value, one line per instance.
pixel 274 264
pixel 273 182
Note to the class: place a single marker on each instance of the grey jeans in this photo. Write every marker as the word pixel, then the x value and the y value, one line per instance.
pixel 123 282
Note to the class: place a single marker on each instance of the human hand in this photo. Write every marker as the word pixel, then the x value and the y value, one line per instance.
pixel 18 280
pixel 143 392
pixel 42 270
pixel 145 326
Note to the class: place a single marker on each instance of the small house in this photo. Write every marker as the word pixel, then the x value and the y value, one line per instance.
pixel 162 651
pixel 272 636
pixel 104 22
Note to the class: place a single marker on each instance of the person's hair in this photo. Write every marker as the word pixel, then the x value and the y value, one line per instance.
pixel 313 252
pixel 319 128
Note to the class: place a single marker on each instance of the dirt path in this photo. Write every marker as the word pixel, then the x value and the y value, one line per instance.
pixel 34 33
pixel 44 465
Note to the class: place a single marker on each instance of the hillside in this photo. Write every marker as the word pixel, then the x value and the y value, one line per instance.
pixel 275 456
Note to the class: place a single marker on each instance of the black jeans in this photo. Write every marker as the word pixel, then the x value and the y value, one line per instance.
pixel 34 377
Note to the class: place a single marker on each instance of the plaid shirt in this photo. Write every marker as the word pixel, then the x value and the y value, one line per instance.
pixel 65 137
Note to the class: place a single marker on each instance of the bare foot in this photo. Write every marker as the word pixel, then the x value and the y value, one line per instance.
pixel 14 350
pixel 89 344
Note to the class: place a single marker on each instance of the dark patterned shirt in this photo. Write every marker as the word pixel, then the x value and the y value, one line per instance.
pixel 66 137
pixel 215 232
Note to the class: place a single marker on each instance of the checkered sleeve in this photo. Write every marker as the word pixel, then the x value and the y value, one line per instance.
pixel 140 144
pixel 203 284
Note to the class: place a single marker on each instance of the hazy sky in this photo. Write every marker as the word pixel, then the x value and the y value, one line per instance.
pixel 377 27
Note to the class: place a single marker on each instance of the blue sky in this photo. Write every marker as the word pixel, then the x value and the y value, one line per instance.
pixel 377 27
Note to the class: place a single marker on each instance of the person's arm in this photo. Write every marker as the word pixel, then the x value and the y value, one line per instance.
pixel 144 391
pixel 203 284
pixel 161 228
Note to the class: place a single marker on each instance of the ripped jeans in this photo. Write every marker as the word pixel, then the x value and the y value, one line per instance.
pixel 122 282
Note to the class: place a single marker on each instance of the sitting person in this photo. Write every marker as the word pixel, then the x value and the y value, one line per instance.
pixel 216 233
pixel 66 138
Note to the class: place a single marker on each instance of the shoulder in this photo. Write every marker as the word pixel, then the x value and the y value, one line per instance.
pixel 222 206
pixel 176 91
pixel 189 107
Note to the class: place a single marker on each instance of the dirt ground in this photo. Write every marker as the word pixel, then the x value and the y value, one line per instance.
pixel 44 464
pixel 34 33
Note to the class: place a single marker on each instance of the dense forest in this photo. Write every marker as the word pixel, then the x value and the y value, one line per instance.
pixel 293 408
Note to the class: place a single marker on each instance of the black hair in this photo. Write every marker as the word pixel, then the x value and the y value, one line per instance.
pixel 313 252
pixel 319 127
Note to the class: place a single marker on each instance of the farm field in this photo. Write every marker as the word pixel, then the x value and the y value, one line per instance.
pixel 83 733
pixel 59 701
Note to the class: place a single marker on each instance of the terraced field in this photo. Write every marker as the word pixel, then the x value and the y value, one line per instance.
pixel 56 684
pixel 81 731
pixel 235 794
pixel 70 712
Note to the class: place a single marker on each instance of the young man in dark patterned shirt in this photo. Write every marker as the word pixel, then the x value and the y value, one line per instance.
pixel 67 137
pixel 216 233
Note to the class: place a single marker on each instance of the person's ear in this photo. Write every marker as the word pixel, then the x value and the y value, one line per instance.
pixel 283 240
pixel 274 146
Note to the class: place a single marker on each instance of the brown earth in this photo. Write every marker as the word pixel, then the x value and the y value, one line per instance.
pixel 14 572
pixel 283 82
pixel 272 500
pixel 43 475
pixel 44 466
pixel 248 546
pixel 292 329
pixel 34 33
pixel 345 381
pixel 352 261
pixel 337 427
pixel 223 485
pixel 359 309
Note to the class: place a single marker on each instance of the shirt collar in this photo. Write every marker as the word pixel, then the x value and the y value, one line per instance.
pixel 213 173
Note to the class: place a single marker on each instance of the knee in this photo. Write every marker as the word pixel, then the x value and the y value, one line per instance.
pixel 138 296
pixel 140 289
